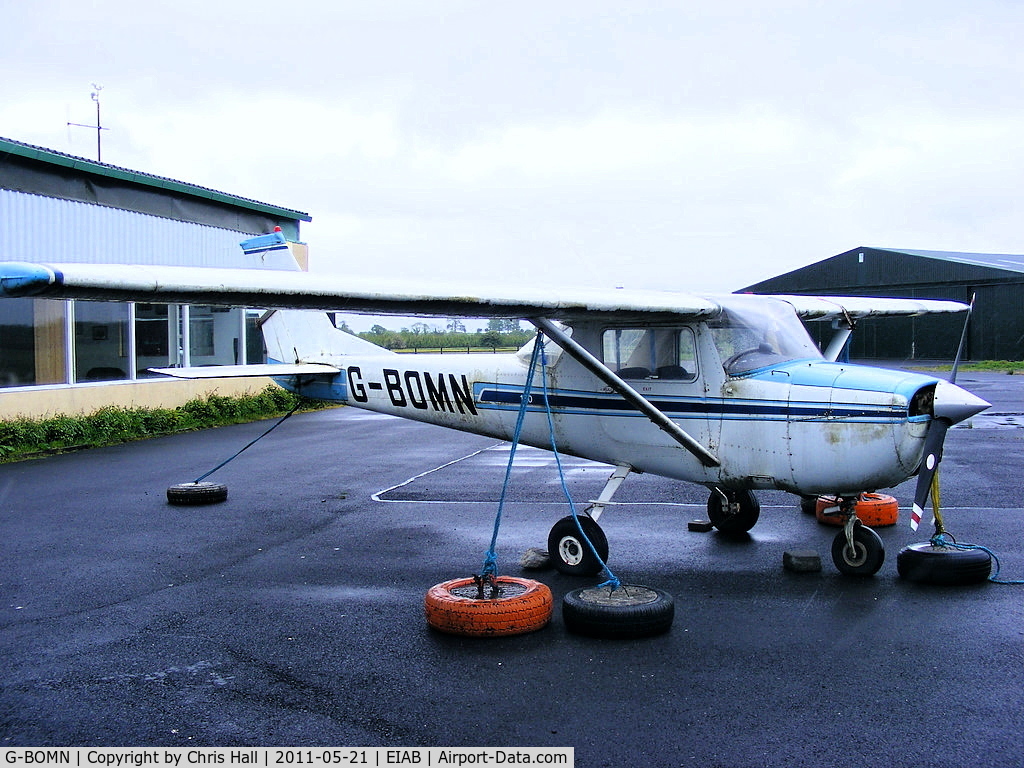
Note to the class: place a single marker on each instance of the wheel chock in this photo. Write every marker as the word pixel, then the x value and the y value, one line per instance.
pixel 535 559
pixel 801 561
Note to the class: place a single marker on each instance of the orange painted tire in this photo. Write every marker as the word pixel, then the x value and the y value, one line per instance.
pixel 875 510
pixel 523 606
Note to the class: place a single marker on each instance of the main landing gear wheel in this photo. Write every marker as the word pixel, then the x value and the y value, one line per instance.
pixel 733 512
pixel 508 606
pixel 926 563
pixel 194 494
pixel 627 612
pixel 570 552
pixel 866 555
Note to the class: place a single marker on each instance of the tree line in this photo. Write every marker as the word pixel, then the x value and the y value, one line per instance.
pixel 499 333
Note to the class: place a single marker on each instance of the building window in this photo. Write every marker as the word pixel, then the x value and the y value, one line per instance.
pixel 200 333
pixel 118 341
pixel 255 349
pixel 101 341
pixel 32 333
pixel 215 335
pixel 156 338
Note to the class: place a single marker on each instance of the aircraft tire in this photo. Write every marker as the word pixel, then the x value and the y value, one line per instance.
pixel 873 509
pixel 570 553
pixel 523 606
pixel 738 523
pixel 631 611
pixel 195 494
pixel 867 555
pixel 925 563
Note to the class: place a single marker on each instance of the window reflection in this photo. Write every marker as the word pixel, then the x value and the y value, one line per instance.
pixel 101 341
pixel 32 342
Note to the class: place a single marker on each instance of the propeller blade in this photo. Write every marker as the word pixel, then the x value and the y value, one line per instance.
pixel 929 464
pixel 951 406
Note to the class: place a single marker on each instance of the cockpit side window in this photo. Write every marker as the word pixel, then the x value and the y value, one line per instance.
pixel 651 353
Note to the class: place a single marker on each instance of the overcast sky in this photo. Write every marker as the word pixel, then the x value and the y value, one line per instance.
pixel 693 146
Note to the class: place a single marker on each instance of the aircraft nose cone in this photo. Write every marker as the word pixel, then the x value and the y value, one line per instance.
pixel 956 404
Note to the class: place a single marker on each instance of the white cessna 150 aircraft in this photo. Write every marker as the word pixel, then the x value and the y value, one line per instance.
pixel 725 391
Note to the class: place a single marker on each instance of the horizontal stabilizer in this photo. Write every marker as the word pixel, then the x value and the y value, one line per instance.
pixel 236 371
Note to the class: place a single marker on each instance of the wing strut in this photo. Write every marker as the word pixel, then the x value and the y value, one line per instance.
pixel 613 380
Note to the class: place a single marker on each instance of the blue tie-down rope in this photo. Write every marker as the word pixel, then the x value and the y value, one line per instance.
pixel 611 580
pixel 251 444
pixel 945 540
pixel 491 558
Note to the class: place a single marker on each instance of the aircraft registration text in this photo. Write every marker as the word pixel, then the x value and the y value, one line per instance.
pixel 423 390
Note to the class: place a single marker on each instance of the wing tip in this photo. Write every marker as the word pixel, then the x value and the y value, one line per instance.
pixel 19 279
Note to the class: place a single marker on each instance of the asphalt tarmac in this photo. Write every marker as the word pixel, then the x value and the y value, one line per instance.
pixel 292 613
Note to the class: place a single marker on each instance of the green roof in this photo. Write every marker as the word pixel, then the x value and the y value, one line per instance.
pixel 85 166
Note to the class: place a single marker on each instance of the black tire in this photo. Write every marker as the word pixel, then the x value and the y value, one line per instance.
pixel 946 566
pixel 808 504
pixel 865 558
pixel 570 553
pixel 194 494
pixel 627 612
pixel 733 523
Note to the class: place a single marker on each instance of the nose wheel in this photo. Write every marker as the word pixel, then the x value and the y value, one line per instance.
pixel 856 550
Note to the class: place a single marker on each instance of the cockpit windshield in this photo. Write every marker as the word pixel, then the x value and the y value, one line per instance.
pixel 751 334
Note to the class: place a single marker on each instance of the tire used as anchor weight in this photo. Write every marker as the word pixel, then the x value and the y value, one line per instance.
pixel 925 563
pixel 629 611
pixel 866 556
pixel 194 494
pixel 570 552
pixel 520 606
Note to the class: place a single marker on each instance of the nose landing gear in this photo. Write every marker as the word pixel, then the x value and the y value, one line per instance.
pixel 856 550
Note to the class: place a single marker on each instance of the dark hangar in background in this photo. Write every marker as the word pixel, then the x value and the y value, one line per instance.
pixel 996 329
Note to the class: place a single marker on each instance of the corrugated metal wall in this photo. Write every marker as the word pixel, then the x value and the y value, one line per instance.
pixel 44 229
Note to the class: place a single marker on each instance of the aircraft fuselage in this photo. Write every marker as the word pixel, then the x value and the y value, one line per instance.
pixel 807 426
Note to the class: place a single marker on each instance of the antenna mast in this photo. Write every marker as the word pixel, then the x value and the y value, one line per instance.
pixel 95 97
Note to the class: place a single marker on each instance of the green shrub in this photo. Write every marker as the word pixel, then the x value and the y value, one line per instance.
pixel 21 438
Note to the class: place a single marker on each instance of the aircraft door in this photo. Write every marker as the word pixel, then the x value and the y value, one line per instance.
pixel 663 365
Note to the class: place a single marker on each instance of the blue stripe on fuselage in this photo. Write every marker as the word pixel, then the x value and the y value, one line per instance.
pixel 831 378
pixel 492 396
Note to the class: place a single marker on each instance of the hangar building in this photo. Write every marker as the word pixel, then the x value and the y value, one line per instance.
pixel 996 330
pixel 75 356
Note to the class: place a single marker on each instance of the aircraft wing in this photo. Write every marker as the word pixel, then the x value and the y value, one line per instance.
pixel 266 288
pixel 332 292
pixel 857 307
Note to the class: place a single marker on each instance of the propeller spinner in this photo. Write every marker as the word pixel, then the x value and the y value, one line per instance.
pixel 950 405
